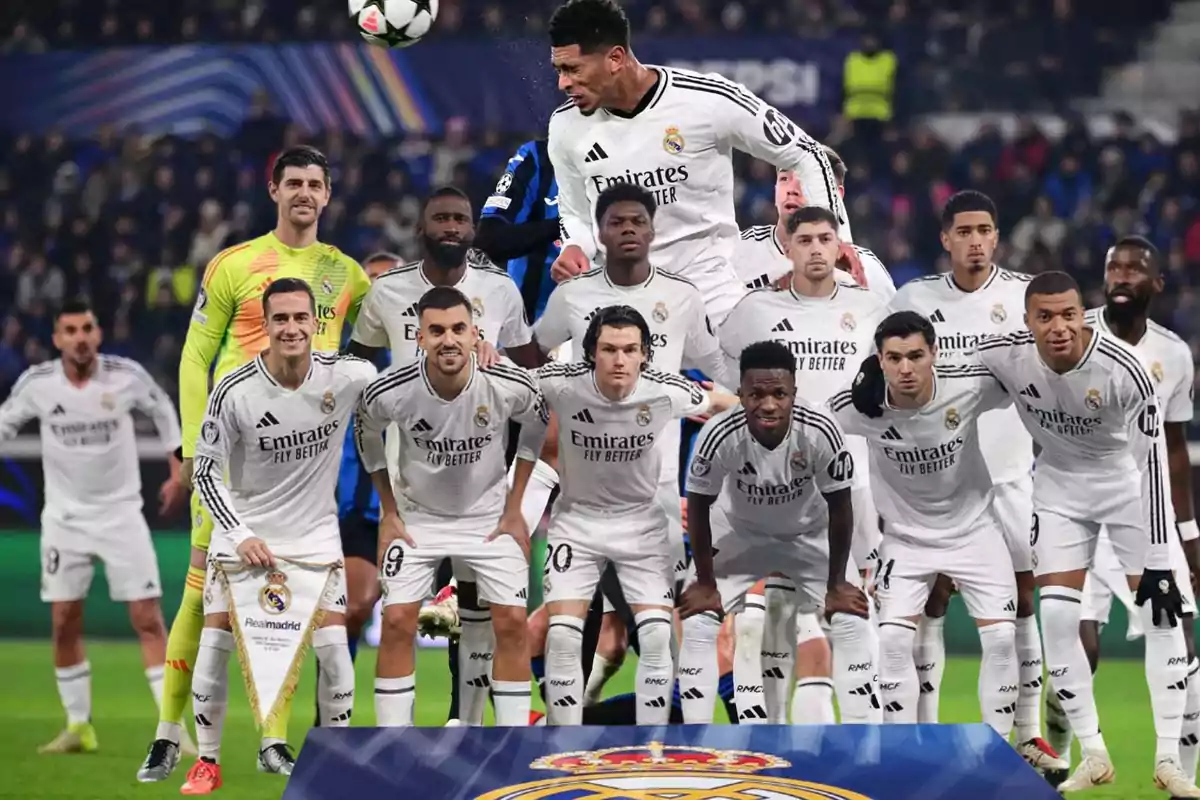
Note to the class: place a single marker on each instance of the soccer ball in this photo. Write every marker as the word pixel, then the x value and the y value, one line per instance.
pixel 393 23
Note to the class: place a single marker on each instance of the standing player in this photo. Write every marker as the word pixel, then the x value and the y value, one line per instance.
pixel 760 260
pixel 274 425
pixel 389 320
pixel 977 299
pixel 935 495
pixel 228 330
pixel 828 326
pixel 612 410
pixel 782 475
pixel 668 130
pixel 1090 406
pixel 454 418
pixel 93 506
pixel 1131 282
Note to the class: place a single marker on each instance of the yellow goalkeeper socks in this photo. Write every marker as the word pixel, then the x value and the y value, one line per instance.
pixel 182 646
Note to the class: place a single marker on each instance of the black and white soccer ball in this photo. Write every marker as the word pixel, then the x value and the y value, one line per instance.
pixel 393 23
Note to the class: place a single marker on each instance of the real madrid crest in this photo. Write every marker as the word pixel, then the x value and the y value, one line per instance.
pixel 275 597
pixel 1156 371
pixel 482 417
pixel 700 466
pixel 209 432
pixel 673 141
pixel 799 461
pixel 643 415
pixel 328 404
pixel 108 401
pixel 953 420
pixel 848 323
pixel 326 285
pixel 660 312
pixel 998 313
pixel 1092 400
pixel 477 306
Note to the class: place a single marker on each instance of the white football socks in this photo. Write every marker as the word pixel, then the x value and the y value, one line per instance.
pixel 1166 675
pixel 335 685
pixel 1189 742
pixel 564 671
pixel 747 662
pixel 75 691
pixel 655 667
pixel 476 646
pixel 1028 721
pixel 998 676
pixel 698 670
pixel 1067 662
pixel 512 700
pixel 394 700
pixel 778 648
pixel 855 673
pixel 898 672
pixel 210 690
pixel 930 657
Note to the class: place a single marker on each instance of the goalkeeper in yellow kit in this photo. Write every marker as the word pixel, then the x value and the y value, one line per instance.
pixel 227 328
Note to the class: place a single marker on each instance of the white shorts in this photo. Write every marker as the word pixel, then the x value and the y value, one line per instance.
pixel 978 563
pixel 498 567
pixel 579 546
pixel 1013 505
pixel 1107 579
pixel 216 601
pixel 669 499
pixel 865 547
pixel 121 541
pixel 1065 545
pixel 741 559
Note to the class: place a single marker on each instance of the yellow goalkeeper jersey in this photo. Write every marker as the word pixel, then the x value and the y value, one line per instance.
pixel 227 323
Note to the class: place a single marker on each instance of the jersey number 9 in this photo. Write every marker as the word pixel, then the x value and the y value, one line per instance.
pixel 392 558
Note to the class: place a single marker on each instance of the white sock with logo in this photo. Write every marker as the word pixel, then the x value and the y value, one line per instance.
pixel 655 668
pixel 564 671
pixel 1028 721
pixel 747 662
pixel 779 648
pixel 335 687
pixel 998 676
pixel 475 647
pixel 210 690
pixel 898 686
pixel 855 673
pixel 698 670
pixel 930 657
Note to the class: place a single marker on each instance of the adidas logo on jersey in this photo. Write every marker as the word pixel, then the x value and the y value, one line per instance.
pixel 411 311
pixel 267 420
pixel 422 427
pixel 57 410
pixel 595 154
pixel 1031 391
pixel 584 416
pixel 937 316
pixel 891 434
pixel 782 326
pixel 747 469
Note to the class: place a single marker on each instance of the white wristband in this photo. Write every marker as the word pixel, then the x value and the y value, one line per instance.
pixel 1188 531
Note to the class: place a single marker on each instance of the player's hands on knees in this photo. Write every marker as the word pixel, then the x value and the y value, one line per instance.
pixel 846 598
pixel 698 598
pixel 254 552
pixel 513 524
pixel 869 388
pixel 1158 587
pixel 570 262
pixel 392 528
pixel 486 355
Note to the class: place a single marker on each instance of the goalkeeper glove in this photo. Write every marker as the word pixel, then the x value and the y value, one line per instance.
pixel 1158 587
pixel 869 387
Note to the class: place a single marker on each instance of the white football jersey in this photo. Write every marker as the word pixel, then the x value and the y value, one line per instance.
pixel 457 468
pixel 281 449
pixel 1087 422
pixel 962 320
pixel 608 461
pixel 759 261
pixel 89 448
pixel 928 474
pixel 773 493
pixel 679 144
pixel 389 311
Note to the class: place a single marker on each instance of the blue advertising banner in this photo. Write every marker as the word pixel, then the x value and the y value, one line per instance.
pixel 373 92
pixel 836 762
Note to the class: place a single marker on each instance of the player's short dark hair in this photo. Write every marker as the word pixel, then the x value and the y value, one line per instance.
pixel 836 162
pixel 966 201
pixel 766 355
pixel 302 155
pixel 614 317
pixel 445 191
pixel 1140 243
pixel 591 24
pixel 287 286
pixel 74 305
pixel 1053 282
pixel 382 255
pixel 903 324
pixel 622 192
pixel 444 298
pixel 810 215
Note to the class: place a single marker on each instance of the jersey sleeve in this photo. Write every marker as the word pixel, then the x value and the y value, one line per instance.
pixel 834 466
pixel 516 188
pixel 514 330
pixel 359 285
pixel 574 210
pixel 701 348
pixel 732 334
pixel 706 472
pixel 219 434
pixel 1135 391
pixel 18 408
pixel 841 406
pixel 528 404
pixel 879 280
pixel 151 400
pixel 369 329
pixel 550 380
pixel 370 422
pixel 216 303
pixel 553 327
pixel 687 398
pixel 758 129
pixel 1180 404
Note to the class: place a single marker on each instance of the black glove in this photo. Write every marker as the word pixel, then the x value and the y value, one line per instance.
pixel 869 387
pixel 1158 586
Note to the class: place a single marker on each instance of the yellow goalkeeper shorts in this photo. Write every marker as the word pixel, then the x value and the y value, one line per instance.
pixel 202 524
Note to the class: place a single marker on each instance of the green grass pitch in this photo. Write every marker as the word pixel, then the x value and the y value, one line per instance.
pixel 123 713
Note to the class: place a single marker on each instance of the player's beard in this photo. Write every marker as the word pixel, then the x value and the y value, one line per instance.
pixel 1135 306
pixel 445 254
